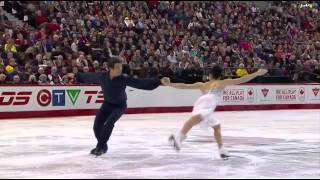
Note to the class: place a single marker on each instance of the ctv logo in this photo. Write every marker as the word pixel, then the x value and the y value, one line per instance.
pixel 57 97
pixel 8 98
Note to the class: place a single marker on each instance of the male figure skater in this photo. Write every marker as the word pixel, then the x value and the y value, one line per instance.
pixel 113 84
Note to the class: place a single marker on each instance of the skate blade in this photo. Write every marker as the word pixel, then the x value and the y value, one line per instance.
pixel 174 143
pixel 224 157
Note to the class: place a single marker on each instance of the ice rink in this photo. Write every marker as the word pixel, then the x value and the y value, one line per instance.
pixel 265 144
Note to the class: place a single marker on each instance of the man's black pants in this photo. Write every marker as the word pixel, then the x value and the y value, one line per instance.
pixel 105 119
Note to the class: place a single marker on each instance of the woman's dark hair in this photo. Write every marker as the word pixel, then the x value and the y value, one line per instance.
pixel 216 72
pixel 112 61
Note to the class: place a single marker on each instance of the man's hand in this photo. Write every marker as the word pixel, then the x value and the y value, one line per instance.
pixel 165 81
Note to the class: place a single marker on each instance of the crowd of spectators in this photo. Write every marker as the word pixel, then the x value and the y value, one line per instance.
pixel 181 40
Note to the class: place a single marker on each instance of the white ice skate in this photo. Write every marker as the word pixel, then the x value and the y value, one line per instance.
pixel 176 140
pixel 224 154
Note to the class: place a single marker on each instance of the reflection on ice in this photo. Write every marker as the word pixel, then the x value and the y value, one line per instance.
pixel 284 144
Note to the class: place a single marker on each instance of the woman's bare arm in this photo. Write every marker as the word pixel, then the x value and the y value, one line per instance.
pixel 244 79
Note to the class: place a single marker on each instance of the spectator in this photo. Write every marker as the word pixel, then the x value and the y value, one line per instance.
pixel 316 73
pixel 172 57
pixel 2 70
pixel 9 69
pixel 1 62
pixel 32 79
pixel 169 31
pixel 75 70
pixel 43 80
pixel 298 71
pixel 96 66
pixel 16 79
pixel 85 69
pixel 241 71
pixel 10 46
pixel 54 75
pixel 40 19
pixel 277 71
pixel 144 72
pixel 154 70
pixel 3 78
pixel 227 71
pixel 41 71
pixel 165 70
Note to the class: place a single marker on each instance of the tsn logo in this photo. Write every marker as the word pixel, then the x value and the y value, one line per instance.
pixel 8 98
pixel 91 94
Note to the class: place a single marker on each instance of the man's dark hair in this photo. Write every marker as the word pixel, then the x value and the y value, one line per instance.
pixel 112 61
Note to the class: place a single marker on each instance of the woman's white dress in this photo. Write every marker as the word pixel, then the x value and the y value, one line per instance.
pixel 205 106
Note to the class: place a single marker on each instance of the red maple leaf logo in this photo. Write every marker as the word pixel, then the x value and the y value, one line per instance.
pixel 265 92
pixel 301 91
pixel 250 92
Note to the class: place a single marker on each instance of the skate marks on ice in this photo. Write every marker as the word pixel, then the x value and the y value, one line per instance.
pixel 283 146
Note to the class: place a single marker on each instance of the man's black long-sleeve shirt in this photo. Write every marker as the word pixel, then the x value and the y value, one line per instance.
pixel 114 90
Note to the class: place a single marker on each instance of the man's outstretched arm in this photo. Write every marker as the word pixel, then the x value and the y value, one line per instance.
pixel 144 83
pixel 88 78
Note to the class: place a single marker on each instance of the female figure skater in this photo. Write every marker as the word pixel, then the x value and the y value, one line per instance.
pixel 203 108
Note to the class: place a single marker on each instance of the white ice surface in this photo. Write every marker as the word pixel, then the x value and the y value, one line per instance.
pixel 265 144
